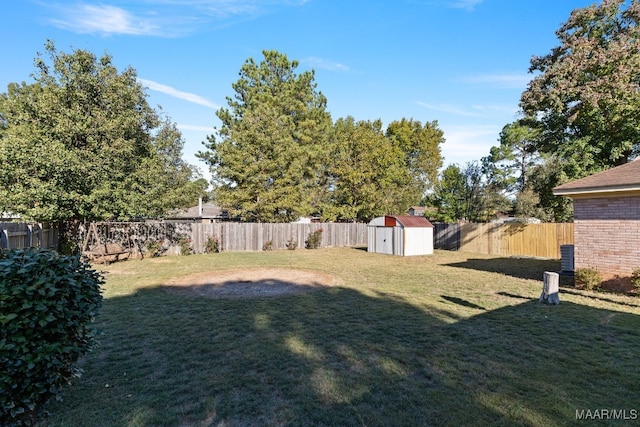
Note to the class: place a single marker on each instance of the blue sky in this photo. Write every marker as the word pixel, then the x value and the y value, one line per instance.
pixel 463 63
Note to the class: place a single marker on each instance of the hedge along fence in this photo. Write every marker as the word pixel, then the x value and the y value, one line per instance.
pixel 20 235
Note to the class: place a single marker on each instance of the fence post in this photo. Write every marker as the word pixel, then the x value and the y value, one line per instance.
pixel 29 236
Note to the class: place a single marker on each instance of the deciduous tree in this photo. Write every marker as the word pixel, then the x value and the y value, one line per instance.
pixel 586 96
pixel 366 173
pixel 463 194
pixel 81 142
pixel 421 147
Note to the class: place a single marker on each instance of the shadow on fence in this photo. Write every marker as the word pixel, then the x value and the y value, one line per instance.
pixel 19 235
pixel 513 239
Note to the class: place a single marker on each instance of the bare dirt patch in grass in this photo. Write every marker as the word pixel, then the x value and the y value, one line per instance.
pixel 259 282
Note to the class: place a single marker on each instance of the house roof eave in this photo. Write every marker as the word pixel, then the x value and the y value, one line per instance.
pixel 621 190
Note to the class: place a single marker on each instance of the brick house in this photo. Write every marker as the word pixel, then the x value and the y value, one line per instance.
pixel 606 220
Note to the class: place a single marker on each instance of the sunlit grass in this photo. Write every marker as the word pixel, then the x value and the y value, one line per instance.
pixel 449 339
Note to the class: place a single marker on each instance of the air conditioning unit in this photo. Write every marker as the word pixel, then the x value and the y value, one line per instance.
pixel 566 259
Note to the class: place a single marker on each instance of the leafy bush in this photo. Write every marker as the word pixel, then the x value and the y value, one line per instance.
pixel 154 248
pixel 635 278
pixel 314 239
pixel 587 278
pixel 48 303
pixel 292 245
pixel 212 245
pixel 185 246
pixel 268 245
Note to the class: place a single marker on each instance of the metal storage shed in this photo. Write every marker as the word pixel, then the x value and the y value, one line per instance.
pixel 400 235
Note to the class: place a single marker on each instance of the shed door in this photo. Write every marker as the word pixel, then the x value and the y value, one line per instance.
pixel 384 240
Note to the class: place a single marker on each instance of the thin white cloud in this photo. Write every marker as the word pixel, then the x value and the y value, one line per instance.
pixel 468 5
pixel 450 109
pixel 196 128
pixel 500 81
pixel 103 19
pixel 186 96
pixel 164 18
pixel 468 143
pixel 325 64
pixel 478 110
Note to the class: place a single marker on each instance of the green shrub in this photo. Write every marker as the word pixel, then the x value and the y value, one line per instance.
pixel 292 245
pixel 314 239
pixel 48 303
pixel 635 278
pixel 154 248
pixel 587 278
pixel 212 245
pixel 185 246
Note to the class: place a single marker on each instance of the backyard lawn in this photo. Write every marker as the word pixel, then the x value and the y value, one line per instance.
pixel 450 339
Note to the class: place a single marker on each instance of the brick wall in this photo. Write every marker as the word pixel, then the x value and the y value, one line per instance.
pixel 607 234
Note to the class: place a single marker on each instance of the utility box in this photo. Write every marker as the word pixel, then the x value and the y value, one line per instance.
pixel 566 259
pixel 402 235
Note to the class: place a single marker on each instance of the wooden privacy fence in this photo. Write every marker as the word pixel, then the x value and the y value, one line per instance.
pixel 134 237
pixel 446 236
pixel 536 240
pixel 235 237
pixel 19 235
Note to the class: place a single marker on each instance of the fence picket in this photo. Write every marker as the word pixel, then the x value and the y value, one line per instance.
pixel 20 235
pixel 537 240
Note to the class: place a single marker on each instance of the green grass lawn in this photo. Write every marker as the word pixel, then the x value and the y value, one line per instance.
pixel 449 339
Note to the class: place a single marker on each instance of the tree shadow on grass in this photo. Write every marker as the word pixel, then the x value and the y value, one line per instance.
pixel 462 302
pixel 338 356
pixel 522 268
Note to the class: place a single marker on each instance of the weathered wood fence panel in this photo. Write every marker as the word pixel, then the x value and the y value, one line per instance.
pixel 446 236
pixel 238 237
pixel 537 240
pixel 20 235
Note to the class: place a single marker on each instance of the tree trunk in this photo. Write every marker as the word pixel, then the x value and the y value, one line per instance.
pixel 551 288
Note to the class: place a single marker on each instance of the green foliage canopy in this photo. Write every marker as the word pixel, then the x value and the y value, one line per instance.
pixel 507 164
pixel 586 98
pixel 420 146
pixel 266 158
pixel 81 142
pixel 366 173
pixel 464 194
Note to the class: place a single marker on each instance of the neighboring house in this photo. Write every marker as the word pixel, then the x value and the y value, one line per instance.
pixel 8 216
pixel 203 213
pixel 606 220
pixel 417 210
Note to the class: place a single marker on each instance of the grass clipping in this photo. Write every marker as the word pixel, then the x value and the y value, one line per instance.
pixel 250 283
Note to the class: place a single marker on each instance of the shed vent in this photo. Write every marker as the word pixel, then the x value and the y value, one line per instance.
pixel 566 259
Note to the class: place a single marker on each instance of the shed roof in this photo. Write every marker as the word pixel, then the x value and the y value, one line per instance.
pixel 622 178
pixel 412 221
